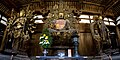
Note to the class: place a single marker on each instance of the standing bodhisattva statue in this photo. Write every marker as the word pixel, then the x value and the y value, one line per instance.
pixel 100 34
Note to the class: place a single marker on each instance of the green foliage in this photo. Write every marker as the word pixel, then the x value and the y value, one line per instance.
pixel 45 39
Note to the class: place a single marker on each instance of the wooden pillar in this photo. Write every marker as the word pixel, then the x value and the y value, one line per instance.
pixel 118 35
pixel 3 40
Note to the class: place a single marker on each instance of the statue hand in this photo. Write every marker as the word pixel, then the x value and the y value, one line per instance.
pixel 97 38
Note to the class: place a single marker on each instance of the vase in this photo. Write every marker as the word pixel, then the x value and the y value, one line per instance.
pixel 45 52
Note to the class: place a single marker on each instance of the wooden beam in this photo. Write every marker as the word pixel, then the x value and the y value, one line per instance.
pixel 93 3
pixel 10 3
pixel 110 6
pixel 93 12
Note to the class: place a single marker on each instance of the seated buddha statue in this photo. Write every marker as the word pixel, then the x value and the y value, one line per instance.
pixel 61 31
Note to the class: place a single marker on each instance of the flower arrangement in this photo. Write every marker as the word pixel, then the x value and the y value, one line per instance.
pixel 45 39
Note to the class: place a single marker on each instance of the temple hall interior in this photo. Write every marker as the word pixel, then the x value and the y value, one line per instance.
pixel 59 29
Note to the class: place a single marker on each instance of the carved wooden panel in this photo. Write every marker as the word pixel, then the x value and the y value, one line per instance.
pixel 84 28
pixel 86 46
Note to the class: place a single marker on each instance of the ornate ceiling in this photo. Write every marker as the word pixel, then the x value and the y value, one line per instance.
pixel 110 8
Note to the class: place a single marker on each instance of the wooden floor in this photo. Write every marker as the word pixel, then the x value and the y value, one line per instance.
pixel 10 57
pixel 22 57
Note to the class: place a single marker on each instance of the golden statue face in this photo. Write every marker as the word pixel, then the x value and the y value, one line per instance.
pixel 100 17
pixel 22 13
pixel 95 17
